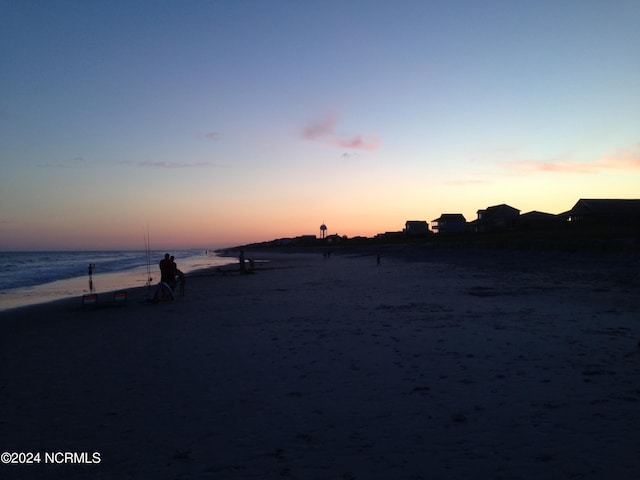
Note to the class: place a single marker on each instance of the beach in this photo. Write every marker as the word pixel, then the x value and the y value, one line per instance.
pixel 435 364
pixel 30 278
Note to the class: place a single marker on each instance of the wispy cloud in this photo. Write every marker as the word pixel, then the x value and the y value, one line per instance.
pixel 69 163
pixel 79 162
pixel 170 165
pixel 357 142
pixel 557 166
pixel 623 158
pixel 54 165
pixel 320 129
pixel 324 130
pixel 466 182
pixel 208 135
pixel 620 159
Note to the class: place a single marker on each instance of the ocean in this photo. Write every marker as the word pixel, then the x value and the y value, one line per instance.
pixel 28 278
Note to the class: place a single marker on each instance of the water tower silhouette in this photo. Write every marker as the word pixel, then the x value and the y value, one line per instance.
pixel 323 231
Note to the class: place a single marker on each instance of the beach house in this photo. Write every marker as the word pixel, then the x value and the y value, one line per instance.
pixel 449 223
pixel 535 220
pixel 498 218
pixel 605 212
pixel 416 228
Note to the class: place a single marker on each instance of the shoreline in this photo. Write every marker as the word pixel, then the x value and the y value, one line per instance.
pixel 139 294
pixel 465 256
pixel 136 292
pixel 104 284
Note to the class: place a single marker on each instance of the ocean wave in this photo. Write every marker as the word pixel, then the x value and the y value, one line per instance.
pixel 30 269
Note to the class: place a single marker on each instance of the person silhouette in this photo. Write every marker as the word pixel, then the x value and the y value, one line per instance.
pixel 91 267
pixel 173 272
pixel 166 269
pixel 241 259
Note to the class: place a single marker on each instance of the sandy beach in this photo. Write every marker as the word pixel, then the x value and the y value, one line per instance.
pixel 435 364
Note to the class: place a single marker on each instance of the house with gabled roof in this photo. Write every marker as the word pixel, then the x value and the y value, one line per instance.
pixel 416 228
pixel 498 218
pixel 605 212
pixel 535 220
pixel 449 223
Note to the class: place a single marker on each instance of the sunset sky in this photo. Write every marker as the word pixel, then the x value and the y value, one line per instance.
pixel 224 122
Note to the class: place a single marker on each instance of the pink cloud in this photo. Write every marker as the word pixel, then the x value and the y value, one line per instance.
pixel 325 130
pixel 558 166
pixel 321 128
pixel 621 159
pixel 357 143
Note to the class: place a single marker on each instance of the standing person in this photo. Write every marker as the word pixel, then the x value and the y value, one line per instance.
pixel 166 269
pixel 173 272
pixel 91 266
pixel 241 261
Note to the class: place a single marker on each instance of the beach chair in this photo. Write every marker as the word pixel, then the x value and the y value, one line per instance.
pixel 120 298
pixel 90 300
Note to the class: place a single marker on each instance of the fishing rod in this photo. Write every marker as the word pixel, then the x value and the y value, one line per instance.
pixel 147 247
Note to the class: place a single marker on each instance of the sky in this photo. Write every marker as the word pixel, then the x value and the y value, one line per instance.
pixel 217 123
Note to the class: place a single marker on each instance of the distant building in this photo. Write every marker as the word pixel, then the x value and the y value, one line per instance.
pixel 605 212
pixel 334 238
pixel 540 220
pixel 390 236
pixel 416 228
pixel 304 239
pixel 498 218
pixel 449 223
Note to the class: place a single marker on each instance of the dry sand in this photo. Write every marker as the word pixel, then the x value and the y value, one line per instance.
pixel 435 365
